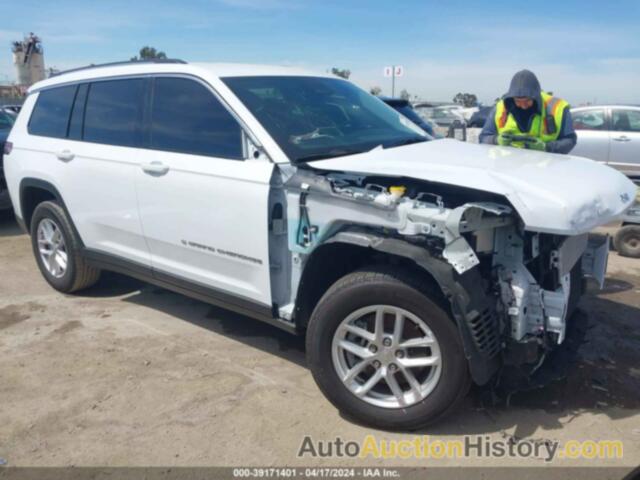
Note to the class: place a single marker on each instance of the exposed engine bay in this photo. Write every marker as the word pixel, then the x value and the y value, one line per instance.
pixel 521 285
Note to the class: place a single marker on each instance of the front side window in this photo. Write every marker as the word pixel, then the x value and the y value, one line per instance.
pixel 316 117
pixel 186 117
pixel 626 120
pixel 593 119
pixel 50 116
pixel 114 112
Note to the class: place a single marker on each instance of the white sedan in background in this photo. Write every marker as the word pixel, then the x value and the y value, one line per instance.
pixel 609 134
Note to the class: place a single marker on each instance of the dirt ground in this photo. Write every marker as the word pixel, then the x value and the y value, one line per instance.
pixel 129 374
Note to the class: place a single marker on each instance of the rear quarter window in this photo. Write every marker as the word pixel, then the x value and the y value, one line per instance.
pixel 50 116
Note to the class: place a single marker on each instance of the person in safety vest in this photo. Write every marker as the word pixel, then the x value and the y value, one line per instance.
pixel 527 117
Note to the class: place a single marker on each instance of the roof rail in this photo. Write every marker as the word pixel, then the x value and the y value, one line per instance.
pixel 113 64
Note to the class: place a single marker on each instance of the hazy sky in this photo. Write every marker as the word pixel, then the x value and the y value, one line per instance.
pixel 580 50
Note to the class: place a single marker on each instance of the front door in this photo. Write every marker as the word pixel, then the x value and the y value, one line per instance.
pixel 203 203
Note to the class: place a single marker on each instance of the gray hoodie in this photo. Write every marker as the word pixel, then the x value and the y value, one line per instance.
pixel 526 84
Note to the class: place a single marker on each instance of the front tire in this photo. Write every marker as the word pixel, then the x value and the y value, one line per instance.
pixel 57 250
pixel 384 352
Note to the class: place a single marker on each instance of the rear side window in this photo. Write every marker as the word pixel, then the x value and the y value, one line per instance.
pixel 114 112
pixel 626 120
pixel 50 116
pixel 186 117
pixel 77 113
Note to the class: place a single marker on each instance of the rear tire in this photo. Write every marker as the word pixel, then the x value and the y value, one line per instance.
pixel 58 250
pixel 396 294
pixel 627 241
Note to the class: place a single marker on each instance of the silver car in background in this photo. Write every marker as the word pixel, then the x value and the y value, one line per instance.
pixel 443 116
pixel 609 134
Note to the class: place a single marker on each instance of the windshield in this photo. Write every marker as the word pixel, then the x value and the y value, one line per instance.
pixel 412 115
pixel 312 118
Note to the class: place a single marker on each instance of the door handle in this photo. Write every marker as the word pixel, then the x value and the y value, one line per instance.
pixel 155 168
pixel 65 155
pixel 622 138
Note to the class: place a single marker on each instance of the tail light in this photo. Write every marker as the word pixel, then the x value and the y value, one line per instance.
pixel 8 146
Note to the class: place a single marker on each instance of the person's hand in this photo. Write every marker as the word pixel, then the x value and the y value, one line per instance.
pixel 503 139
pixel 535 144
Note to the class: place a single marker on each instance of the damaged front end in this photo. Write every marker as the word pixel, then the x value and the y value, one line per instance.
pixel 510 290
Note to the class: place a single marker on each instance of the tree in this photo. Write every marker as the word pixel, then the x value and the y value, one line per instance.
pixel 375 90
pixel 405 95
pixel 466 99
pixel 149 53
pixel 342 73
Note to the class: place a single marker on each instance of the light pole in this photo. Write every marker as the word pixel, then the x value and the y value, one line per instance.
pixel 393 81
pixel 393 71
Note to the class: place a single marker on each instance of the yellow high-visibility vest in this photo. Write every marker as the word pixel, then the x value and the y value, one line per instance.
pixel 545 128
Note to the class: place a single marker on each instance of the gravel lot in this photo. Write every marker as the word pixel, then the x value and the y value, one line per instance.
pixel 130 374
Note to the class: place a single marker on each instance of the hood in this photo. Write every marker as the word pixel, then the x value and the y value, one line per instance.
pixel 524 84
pixel 552 193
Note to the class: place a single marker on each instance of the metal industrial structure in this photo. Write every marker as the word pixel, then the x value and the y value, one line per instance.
pixel 28 59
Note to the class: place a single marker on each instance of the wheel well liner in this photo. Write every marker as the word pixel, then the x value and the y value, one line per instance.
pixel 468 302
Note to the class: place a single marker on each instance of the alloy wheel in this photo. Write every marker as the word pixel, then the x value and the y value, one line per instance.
pixel 52 248
pixel 386 356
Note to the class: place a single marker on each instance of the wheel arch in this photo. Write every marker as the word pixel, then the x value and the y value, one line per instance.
pixel 462 295
pixel 34 191
pixel 331 261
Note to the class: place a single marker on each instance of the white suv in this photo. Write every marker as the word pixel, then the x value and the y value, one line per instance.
pixel 413 266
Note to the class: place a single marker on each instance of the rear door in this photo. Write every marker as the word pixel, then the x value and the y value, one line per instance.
pixel 105 136
pixel 625 140
pixel 591 126
pixel 203 203
pixel 82 138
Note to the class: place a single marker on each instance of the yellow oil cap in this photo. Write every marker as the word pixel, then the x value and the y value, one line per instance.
pixel 397 190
